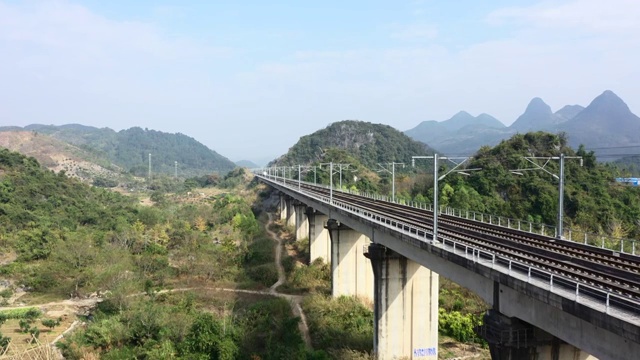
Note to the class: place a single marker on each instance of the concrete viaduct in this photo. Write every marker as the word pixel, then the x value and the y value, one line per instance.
pixel 529 317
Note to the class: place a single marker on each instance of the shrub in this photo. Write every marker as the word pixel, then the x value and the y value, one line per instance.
pixel 342 323
pixel 208 337
pixel 6 293
pixel 260 251
pixel 4 342
pixel 457 325
pixel 51 323
pixel 25 313
pixel 313 278
pixel 265 274
pixel 289 264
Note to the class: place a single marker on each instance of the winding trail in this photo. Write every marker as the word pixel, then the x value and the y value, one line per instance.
pixel 293 299
pixel 278 250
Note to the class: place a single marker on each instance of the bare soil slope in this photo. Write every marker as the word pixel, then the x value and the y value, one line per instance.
pixel 55 155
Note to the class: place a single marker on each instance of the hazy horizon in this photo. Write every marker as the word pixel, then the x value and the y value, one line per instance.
pixel 248 80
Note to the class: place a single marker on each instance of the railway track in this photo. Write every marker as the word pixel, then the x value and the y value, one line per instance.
pixel 600 268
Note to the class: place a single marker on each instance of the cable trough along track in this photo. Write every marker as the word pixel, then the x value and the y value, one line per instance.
pixel 600 268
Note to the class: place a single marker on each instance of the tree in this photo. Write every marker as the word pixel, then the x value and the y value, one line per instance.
pixel 4 343
pixel 51 323
pixel 73 259
pixel 200 224
pixel 207 337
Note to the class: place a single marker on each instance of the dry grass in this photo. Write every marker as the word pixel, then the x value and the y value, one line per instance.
pixel 24 346
pixel 30 351
pixel 451 349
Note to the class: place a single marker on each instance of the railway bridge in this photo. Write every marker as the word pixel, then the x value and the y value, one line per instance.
pixel 549 298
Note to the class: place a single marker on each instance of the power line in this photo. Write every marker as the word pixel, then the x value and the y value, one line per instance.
pixel 613 147
pixel 617 155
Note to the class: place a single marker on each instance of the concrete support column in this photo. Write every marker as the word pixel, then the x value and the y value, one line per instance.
pixel 511 338
pixel 291 212
pixel 351 272
pixel 405 307
pixel 282 207
pixel 301 220
pixel 319 240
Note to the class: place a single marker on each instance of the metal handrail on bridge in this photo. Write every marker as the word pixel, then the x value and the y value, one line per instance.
pixel 593 297
pixel 625 246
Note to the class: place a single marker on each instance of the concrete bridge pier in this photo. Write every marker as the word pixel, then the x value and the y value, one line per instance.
pixel 301 220
pixel 405 307
pixel 511 339
pixel 351 272
pixel 282 207
pixel 291 213
pixel 319 240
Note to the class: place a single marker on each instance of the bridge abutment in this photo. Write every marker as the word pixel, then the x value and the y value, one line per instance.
pixel 405 306
pixel 319 240
pixel 351 272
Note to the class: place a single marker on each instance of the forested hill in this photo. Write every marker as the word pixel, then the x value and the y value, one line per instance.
pixel 594 202
pixel 369 143
pixel 130 149
pixel 37 205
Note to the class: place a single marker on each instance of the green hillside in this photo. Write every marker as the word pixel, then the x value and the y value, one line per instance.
pixel 369 143
pixel 130 149
pixel 36 203
pixel 593 201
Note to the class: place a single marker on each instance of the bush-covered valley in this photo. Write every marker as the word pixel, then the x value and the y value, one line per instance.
pixel 163 280
pixel 185 278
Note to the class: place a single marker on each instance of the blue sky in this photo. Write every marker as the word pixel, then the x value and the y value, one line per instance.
pixel 248 78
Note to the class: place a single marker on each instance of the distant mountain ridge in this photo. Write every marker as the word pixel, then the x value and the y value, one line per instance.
pixel 247 163
pixel 429 131
pixel 130 148
pixel 606 122
pixel 537 115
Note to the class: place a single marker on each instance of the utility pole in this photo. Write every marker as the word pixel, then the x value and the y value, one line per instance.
pixel 175 170
pixel 561 199
pixel 560 177
pixel 331 183
pixel 340 168
pixel 306 168
pixel 393 177
pixel 435 197
pixel 435 158
pixel 149 167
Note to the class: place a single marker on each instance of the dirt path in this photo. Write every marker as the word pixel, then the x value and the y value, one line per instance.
pixel 281 275
pixel 294 300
